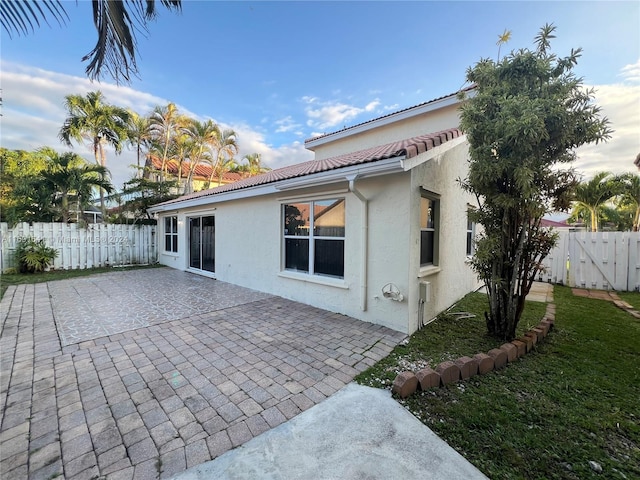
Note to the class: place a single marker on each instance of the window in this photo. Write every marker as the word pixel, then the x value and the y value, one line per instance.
pixel 471 233
pixel 171 234
pixel 314 237
pixel 429 220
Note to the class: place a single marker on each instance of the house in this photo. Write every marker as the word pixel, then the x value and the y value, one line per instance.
pixel 375 227
pixel 202 174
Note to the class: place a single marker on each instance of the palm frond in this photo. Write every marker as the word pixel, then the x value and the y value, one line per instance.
pixel 23 16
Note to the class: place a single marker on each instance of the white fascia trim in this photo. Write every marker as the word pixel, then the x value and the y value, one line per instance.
pixel 409 163
pixel 380 122
pixel 381 167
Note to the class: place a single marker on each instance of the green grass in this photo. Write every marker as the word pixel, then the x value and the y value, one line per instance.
pixel 632 298
pixel 40 277
pixel 574 399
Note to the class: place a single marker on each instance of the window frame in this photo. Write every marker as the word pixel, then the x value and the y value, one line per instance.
pixel 171 234
pixel 471 233
pixel 434 198
pixel 311 237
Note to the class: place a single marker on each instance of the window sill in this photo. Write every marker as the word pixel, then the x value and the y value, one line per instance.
pixel 428 271
pixel 327 281
pixel 171 254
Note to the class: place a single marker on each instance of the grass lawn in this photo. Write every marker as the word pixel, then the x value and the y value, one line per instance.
pixel 22 278
pixel 574 399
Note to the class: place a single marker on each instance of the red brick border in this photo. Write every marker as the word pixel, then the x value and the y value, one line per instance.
pixel 407 383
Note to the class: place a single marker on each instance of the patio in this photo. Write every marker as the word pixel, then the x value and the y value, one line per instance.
pixel 143 374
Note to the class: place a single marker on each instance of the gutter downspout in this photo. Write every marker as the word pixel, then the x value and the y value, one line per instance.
pixel 365 240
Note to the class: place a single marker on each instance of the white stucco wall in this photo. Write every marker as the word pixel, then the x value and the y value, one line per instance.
pixel 249 249
pixel 435 121
pixel 453 277
pixel 249 244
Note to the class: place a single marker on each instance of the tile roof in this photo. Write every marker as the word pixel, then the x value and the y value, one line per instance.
pixel 202 170
pixel 467 89
pixel 409 148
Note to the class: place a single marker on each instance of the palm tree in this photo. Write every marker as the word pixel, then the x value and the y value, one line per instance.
pixel 68 175
pixel 590 197
pixel 164 123
pixel 116 23
pixel 205 137
pixel 139 136
pixel 226 147
pixel 96 122
pixel 254 161
pixel 630 195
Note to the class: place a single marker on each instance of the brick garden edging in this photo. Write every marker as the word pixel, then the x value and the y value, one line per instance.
pixel 407 383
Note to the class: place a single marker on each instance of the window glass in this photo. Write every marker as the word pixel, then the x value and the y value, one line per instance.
pixel 429 230
pixel 171 234
pixel 297 219
pixel 314 237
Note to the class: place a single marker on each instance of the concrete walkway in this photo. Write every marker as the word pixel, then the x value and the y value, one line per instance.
pixel 180 385
pixel 358 433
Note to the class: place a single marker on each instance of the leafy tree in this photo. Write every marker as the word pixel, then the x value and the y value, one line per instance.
pixel 142 193
pixel 116 23
pixel 590 197
pixel 18 170
pixel 226 147
pixel 92 120
pixel 254 164
pixel 70 177
pixel 527 116
pixel 630 196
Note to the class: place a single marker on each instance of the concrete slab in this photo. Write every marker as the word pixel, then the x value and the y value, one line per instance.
pixel 360 432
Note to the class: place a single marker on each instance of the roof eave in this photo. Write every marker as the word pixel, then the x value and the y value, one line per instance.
pixel 387 119
pixel 381 167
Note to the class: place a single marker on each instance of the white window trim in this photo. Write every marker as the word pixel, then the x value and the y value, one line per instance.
pixel 473 235
pixel 172 233
pixel 428 267
pixel 310 276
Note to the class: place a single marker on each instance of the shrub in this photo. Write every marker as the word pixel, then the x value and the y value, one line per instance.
pixel 33 255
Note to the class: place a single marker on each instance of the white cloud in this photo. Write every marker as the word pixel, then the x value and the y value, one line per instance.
pixel 33 113
pixel 323 115
pixel 286 124
pixel 631 72
pixel 620 103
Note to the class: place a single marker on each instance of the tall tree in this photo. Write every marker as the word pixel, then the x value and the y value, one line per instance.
pixel 204 137
pixel 225 147
pixel 139 136
pixel 165 122
pixel 591 196
pixel 527 116
pixel 630 196
pixel 97 123
pixel 116 23
pixel 70 177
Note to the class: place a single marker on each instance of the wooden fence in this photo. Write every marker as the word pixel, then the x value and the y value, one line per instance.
pixel 595 260
pixel 97 245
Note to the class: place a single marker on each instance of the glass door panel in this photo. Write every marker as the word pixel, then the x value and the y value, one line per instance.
pixel 202 245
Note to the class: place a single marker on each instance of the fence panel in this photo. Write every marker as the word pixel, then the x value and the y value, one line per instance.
pixel 97 245
pixel 598 260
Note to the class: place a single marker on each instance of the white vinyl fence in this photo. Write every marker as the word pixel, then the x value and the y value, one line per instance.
pixel 595 260
pixel 97 245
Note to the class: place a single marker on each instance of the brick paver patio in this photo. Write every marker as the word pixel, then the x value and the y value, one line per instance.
pixel 171 370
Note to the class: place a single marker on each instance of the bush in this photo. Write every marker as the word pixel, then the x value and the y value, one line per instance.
pixel 33 255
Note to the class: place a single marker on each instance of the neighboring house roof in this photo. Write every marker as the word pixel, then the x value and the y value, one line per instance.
pixel 392 117
pixel 201 172
pixel 551 223
pixel 407 148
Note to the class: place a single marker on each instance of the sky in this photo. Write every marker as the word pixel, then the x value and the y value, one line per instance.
pixel 282 72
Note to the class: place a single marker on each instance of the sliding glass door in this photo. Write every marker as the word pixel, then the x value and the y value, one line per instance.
pixel 202 245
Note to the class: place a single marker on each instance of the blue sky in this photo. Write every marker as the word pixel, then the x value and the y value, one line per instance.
pixel 281 72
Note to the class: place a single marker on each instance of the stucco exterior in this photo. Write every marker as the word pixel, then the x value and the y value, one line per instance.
pixel 382 233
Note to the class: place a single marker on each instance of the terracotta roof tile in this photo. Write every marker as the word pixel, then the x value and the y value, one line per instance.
pixel 202 170
pixel 409 148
